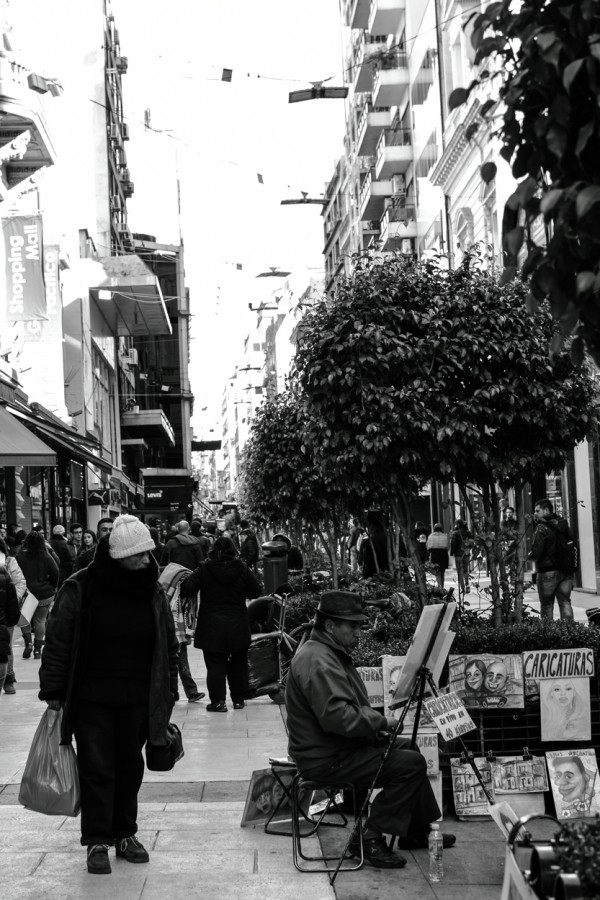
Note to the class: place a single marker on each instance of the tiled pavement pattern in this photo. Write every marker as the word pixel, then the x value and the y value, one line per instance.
pixel 190 822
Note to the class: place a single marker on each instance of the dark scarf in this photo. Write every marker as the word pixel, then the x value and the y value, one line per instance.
pixel 108 576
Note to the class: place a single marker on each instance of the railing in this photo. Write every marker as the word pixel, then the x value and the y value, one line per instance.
pixel 12 71
pixel 399 137
pixel 365 188
pixel 397 213
pixel 371 225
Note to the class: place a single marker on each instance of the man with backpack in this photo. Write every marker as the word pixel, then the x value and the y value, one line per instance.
pixel 183 549
pixel 554 551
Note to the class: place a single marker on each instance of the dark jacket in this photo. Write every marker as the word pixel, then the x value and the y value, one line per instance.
pixel 67 637
pixel 224 586
pixel 9 612
pixel 379 541
pixel 185 550
pixel 64 552
pixel 249 547
pixel 328 711
pixel 461 541
pixel 41 574
pixel 84 558
pixel 543 549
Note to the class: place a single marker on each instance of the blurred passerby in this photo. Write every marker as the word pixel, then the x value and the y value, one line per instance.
pixel 355 532
pixel 437 548
pixel 63 551
pixel 183 549
pixel 41 575
pixel 197 530
pixel 110 660
pixel 158 547
pixel 9 616
pixel 461 541
pixel 553 581
pixel 373 554
pixel 18 580
pixel 185 614
pixel 86 554
pixel 248 545
pixel 295 560
pixel 223 630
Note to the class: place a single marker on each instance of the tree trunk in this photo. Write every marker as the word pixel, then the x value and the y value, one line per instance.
pixel 520 562
pixel 401 509
pixel 329 544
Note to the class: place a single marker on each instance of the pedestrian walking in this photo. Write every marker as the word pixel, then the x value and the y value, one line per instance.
pixel 554 573
pixel 13 570
pixel 86 552
pixel 248 545
pixel 64 553
pixel 9 616
pixel 223 630
pixel 111 662
pixel 183 548
pixel 185 615
pixel 437 549
pixel 461 541
pixel 355 533
pixel 41 575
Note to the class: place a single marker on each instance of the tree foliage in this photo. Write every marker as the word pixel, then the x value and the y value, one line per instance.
pixel 413 373
pixel 547 55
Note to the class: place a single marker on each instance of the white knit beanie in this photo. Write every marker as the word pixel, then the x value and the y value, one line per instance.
pixel 128 537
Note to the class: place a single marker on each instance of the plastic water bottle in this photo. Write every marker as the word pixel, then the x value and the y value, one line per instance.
pixel 436 853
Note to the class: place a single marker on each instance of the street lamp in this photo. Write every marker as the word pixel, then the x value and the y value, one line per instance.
pixel 305 199
pixel 273 272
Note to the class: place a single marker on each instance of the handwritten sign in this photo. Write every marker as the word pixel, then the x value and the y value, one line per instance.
pixel 427 742
pixel 372 679
pixel 559 663
pixel 450 716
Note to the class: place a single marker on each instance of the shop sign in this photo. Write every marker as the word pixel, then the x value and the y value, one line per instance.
pixel 25 291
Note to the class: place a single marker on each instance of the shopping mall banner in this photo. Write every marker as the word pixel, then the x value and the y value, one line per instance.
pixel 51 329
pixel 25 292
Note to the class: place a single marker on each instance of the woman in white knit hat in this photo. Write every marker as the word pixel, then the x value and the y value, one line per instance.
pixel 110 661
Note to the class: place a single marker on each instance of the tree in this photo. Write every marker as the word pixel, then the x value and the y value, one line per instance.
pixel 280 480
pixel 413 373
pixel 546 57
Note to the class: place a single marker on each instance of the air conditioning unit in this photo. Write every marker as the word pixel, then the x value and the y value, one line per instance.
pixel 121 63
pixel 115 201
pixel 114 133
pixel 398 184
pixel 125 131
pixel 130 358
pixel 407 247
pixel 123 158
pixel 124 175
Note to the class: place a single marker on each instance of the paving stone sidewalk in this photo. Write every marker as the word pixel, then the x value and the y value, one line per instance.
pixel 189 820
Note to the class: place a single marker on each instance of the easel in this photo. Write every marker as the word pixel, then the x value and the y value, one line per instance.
pixel 422 681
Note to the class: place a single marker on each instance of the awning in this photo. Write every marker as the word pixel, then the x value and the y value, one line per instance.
pixel 75 451
pixel 19 447
pixel 134 302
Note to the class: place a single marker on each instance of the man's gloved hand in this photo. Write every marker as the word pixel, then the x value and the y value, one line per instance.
pixel 54 704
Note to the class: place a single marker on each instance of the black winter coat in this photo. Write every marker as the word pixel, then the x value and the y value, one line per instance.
pixel 67 635
pixel 9 612
pixel 41 574
pixel 185 550
pixel 66 556
pixel 224 586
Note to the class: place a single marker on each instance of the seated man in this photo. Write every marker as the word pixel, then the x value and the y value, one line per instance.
pixel 336 736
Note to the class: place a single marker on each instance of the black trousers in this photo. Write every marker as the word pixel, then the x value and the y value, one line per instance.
pixel 183 667
pixel 226 667
pixel 406 805
pixel 109 739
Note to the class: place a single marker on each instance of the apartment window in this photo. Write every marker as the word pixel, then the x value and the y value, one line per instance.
pixel 101 406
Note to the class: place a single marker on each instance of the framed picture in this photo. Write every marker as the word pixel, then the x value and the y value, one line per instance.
pixel 514 775
pixel 575 783
pixel 565 709
pixel 488 681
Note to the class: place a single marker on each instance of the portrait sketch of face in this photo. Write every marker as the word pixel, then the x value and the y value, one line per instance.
pixel 565 709
pixel 574 779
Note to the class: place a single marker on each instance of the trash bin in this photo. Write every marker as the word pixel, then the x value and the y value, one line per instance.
pixel 275 566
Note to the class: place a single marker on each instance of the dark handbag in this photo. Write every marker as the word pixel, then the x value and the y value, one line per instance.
pixel 162 757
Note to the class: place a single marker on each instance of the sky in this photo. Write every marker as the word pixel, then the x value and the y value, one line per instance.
pixel 215 138
pixel 219 137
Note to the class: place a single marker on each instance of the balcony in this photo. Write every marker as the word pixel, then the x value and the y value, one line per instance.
pixel 150 424
pixel 370 125
pixel 390 81
pixel 394 152
pixel 398 224
pixel 356 13
pixel 372 197
pixel 23 127
pixel 387 16
pixel 367 49
pixel 370 232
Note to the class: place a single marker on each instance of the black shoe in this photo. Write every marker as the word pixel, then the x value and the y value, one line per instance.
pixel 27 651
pixel 37 654
pixel 238 704
pixel 421 841
pixel 221 706
pixel 199 695
pixel 377 852
pixel 129 848
pixel 98 862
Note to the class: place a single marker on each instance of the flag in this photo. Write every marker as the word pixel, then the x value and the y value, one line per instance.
pixel 260 178
pixel 227 73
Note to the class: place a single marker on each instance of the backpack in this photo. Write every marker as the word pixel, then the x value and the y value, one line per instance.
pixel 566 551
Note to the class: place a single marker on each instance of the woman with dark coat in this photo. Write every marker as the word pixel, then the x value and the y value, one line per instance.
pixel 41 575
pixel 111 662
pixel 223 630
